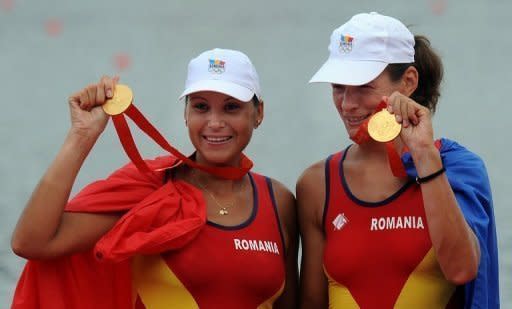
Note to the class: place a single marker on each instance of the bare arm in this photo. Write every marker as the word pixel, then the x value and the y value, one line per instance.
pixel 454 242
pixel 310 200
pixel 288 216
pixel 44 230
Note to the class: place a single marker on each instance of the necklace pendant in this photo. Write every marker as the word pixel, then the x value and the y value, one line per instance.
pixel 223 211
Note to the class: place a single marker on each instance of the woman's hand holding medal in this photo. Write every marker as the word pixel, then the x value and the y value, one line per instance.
pixel 417 132
pixel 87 118
pixel 116 100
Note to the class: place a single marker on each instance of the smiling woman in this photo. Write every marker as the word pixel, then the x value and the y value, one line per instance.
pixel 220 126
pixel 198 222
pixel 380 230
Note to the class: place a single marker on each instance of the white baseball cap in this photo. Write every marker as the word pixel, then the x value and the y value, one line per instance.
pixel 223 70
pixel 361 49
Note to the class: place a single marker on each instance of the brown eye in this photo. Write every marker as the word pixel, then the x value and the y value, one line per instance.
pixel 232 106
pixel 200 106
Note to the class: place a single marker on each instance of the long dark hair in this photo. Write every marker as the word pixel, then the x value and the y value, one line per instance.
pixel 430 73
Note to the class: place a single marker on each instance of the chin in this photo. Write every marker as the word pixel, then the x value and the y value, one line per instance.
pixel 218 157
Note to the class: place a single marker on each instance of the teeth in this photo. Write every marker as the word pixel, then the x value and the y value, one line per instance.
pixel 215 139
pixel 356 120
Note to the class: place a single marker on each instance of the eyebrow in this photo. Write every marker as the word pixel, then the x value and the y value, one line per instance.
pixel 229 98
pixel 197 97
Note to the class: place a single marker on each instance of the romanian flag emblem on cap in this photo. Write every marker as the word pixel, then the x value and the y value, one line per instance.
pixel 346 43
pixel 216 66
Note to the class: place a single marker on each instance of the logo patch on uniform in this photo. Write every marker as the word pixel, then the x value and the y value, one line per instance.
pixel 216 66
pixel 346 43
pixel 339 222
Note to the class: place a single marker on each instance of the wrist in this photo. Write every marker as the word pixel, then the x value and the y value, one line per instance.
pixel 69 160
pixel 423 153
pixel 420 180
pixel 427 160
pixel 80 140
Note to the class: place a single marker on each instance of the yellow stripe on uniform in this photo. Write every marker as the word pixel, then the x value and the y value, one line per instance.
pixel 157 286
pixel 426 286
pixel 339 295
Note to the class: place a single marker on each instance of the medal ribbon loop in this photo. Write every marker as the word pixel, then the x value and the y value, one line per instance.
pixel 126 138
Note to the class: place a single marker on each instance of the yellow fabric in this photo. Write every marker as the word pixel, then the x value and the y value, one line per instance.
pixel 157 286
pixel 426 287
pixel 339 295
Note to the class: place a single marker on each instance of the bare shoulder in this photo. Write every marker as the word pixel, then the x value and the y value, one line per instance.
pixel 311 183
pixel 310 192
pixel 284 198
pixel 311 176
pixel 286 211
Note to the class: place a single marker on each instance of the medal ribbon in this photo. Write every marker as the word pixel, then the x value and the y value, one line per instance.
pixel 126 138
pixel 395 162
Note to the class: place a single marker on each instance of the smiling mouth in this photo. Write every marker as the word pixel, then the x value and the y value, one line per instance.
pixel 217 140
pixel 356 121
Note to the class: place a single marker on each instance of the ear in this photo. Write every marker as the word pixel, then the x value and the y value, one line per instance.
pixel 409 81
pixel 260 111
pixel 185 114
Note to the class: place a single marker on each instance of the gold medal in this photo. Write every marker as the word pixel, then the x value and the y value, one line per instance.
pixel 121 100
pixel 383 127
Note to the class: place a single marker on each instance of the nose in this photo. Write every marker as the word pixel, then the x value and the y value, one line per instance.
pixel 216 122
pixel 349 99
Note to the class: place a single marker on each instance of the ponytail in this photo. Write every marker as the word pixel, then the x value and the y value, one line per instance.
pixel 430 73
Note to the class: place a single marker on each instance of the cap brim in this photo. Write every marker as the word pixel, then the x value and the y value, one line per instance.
pixel 228 88
pixel 346 72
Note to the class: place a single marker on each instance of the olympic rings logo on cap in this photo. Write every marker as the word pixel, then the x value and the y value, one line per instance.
pixel 216 66
pixel 346 43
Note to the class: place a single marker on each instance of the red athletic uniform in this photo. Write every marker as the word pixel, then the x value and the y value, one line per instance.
pixel 379 255
pixel 223 267
pixel 202 265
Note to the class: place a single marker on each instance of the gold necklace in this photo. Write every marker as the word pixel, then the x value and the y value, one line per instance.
pixel 223 209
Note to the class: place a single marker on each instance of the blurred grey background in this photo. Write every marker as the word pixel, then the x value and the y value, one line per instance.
pixel 50 49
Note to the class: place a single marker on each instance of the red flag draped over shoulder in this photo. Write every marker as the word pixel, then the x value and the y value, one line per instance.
pixel 159 216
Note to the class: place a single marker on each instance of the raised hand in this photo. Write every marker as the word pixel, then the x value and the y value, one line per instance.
pixel 417 132
pixel 87 117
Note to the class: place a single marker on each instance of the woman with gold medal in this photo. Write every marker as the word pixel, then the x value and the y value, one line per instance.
pixel 398 219
pixel 179 236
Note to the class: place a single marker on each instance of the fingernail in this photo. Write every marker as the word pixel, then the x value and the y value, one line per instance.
pixel 109 93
